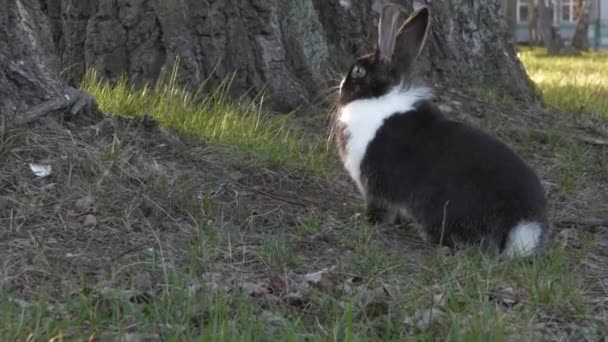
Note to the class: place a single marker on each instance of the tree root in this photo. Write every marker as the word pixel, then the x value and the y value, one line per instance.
pixel 72 99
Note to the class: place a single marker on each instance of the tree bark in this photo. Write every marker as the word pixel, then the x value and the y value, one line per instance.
pixel 470 41
pixel 549 32
pixel 30 86
pixel 286 47
pixel 580 40
pixel 510 11
pixel 533 35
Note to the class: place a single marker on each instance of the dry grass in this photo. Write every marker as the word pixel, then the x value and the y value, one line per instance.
pixel 213 118
pixel 141 231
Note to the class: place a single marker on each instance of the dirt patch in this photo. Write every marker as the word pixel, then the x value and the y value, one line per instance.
pixel 119 187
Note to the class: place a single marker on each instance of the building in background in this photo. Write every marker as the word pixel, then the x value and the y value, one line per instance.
pixel 519 15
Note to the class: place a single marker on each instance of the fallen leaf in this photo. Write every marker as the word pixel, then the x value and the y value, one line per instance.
pixel 423 319
pixel 85 204
pixel 41 170
pixel 377 293
pixel 236 176
pixel 254 290
pixel 295 299
pixel 278 284
pixel 207 288
pixel 90 221
pixel 71 213
pixel 142 281
pixel 346 289
pixel 48 187
pixel 194 289
pixel 504 295
pixel 323 279
pixel 314 278
pixel 375 302
pixel 569 237
pixel 141 298
pixel 438 295
pixel 376 309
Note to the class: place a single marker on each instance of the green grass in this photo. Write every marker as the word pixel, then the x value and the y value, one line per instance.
pixel 465 286
pixel 214 118
pixel 570 83
pixel 310 224
pixel 483 299
pixel 277 254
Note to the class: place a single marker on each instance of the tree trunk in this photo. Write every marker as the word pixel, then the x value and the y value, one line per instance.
pixel 510 12
pixel 548 30
pixel 30 85
pixel 284 46
pixel 533 35
pixel 580 40
pixel 470 41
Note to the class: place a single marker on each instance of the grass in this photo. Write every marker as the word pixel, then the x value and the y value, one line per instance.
pixel 276 253
pixel 482 299
pixel 575 84
pixel 214 118
pixel 177 238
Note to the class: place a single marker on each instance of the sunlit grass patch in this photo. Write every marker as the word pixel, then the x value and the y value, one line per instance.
pixel 213 117
pixel 570 83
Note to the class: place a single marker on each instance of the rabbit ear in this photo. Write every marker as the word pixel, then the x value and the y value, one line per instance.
pixel 411 38
pixel 387 31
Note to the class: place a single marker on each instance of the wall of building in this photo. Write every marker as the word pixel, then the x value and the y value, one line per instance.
pixel 567 28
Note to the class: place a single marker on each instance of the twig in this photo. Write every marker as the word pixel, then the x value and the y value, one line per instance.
pixel 131 250
pixel 592 141
pixel 585 223
pixel 281 198
pixel 258 244
pixel 162 257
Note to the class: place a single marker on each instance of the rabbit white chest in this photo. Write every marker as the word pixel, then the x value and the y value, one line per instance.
pixel 363 118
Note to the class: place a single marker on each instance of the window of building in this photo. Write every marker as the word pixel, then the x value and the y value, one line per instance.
pixel 569 10
pixel 523 10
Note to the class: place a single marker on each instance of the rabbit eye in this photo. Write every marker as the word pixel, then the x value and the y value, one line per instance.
pixel 358 71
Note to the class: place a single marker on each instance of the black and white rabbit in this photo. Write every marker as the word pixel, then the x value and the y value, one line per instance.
pixel 456 183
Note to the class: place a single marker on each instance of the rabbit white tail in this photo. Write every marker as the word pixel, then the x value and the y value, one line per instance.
pixel 524 239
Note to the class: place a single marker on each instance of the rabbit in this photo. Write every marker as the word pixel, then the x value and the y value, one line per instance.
pixel 458 185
